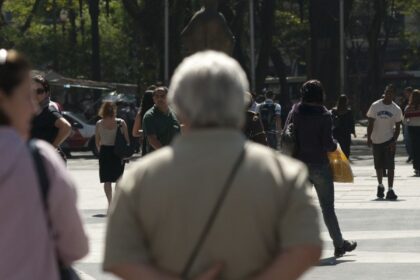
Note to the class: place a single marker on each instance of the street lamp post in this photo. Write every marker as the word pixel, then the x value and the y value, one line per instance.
pixel 342 49
pixel 252 42
pixel 166 74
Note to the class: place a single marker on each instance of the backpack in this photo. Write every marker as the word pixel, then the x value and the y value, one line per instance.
pixel 288 138
pixel 267 114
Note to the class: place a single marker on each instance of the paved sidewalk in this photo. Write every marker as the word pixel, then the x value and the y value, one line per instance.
pixel 388 233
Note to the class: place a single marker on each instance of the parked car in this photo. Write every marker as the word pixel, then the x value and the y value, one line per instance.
pixel 82 137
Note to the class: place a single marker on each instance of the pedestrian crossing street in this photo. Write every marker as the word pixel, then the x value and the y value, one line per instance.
pixel 388 232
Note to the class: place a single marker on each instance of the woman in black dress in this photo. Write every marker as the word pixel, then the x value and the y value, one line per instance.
pixel 343 121
pixel 111 167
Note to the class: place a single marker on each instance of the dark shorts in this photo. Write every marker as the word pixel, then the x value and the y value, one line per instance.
pixel 383 156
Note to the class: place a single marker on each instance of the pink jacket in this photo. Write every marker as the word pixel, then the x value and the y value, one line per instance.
pixel 27 249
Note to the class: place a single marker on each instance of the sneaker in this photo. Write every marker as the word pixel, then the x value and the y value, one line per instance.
pixel 381 191
pixel 390 195
pixel 409 160
pixel 417 173
pixel 348 246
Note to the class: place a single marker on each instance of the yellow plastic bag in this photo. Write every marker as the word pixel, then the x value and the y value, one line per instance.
pixel 340 166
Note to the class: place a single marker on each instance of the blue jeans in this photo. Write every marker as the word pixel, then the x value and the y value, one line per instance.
pixel 320 175
pixel 272 139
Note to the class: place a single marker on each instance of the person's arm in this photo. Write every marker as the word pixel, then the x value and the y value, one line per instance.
pixel 125 132
pixel 299 234
pixel 371 122
pixel 292 263
pixel 278 124
pixel 144 271
pixel 136 126
pixel 64 131
pixel 328 142
pixel 150 131
pixel 70 240
pixel 352 124
pixel 154 142
pixel 97 137
pixel 397 131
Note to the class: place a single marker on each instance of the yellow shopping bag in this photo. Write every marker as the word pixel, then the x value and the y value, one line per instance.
pixel 340 166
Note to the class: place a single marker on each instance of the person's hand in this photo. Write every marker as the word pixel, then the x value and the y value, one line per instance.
pixel 369 142
pixel 212 273
pixel 392 147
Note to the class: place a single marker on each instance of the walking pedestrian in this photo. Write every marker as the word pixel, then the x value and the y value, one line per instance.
pixel 270 113
pixel 313 129
pixel 412 122
pixel 407 139
pixel 48 125
pixel 146 104
pixel 253 128
pixel 385 118
pixel 111 167
pixel 33 237
pixel 160 124
pixel 343 123
pixel 265 225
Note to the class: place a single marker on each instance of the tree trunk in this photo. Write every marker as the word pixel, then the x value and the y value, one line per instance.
pixel 267 31
pixel 281 70
pixel 29 19
pixel 324 55
pixel 375 68
pixel 96 56
pixel 72 19
pixel 238 31
pixel 82 21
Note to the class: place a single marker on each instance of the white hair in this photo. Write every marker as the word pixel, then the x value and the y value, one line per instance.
pixel 208 90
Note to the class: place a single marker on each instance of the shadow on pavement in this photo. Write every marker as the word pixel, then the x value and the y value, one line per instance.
pixel 99 216
pixel 386 200
pixel 332 261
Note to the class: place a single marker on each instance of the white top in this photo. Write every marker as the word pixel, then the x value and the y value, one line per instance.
pixel 385 116
pixel 277 109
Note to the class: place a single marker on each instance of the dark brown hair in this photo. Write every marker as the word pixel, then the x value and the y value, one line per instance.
pixel 12 73
pixel 342 103
pixel 41 80
pixel 312 92
pixel 108 110
pixel 415 99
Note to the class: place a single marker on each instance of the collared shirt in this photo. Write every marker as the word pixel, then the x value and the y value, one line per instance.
pixel 164 202
pixel 164 125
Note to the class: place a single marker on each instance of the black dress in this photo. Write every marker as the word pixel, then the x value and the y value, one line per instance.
pixel 111 167
pixel 343 129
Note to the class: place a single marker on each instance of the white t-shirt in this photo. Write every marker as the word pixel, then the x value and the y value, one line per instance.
pixel 385 116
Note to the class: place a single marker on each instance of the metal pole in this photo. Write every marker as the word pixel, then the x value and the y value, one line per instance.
pixel 342 49
pixel 252 41
pixel 166 75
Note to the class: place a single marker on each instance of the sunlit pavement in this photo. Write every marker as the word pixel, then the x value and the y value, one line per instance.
pixel 388 232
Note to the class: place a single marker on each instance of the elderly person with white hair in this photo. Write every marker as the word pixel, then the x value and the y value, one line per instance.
pixel 212 205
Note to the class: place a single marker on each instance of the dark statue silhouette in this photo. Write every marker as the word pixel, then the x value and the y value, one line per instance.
pixel 207 30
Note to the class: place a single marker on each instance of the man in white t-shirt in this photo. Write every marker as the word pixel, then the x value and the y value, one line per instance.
pixel 384 127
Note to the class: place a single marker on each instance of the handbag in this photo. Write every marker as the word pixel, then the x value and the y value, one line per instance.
pixel 288 138
pixel 66 272
pixel 121 148
pixel 213 215
pixel 340 166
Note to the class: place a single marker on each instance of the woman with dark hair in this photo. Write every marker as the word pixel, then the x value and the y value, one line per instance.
pixel 343 123
pixel 33 237
pixel 412 121
pixel 146 104
pixel 313 129
pixel 111 167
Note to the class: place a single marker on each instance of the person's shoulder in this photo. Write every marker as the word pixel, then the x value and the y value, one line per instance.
pixel 269 159
pixel 396 106
pixel 149 113
pixel 150 164
pixel 49 154
pixel 377 103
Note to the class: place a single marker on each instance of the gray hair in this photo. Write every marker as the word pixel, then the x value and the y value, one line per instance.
pixel 208 89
